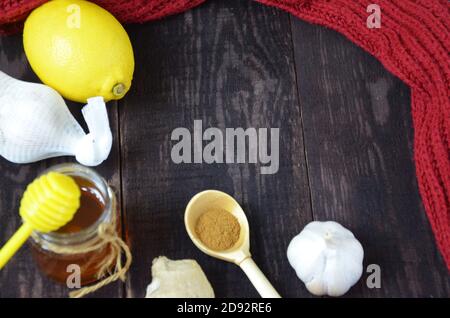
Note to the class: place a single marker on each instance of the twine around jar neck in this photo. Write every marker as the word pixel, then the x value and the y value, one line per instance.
pixel 107 238
pixel 111 268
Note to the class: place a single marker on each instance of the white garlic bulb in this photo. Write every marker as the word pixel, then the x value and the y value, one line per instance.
pixel 36 124
pixel 327 258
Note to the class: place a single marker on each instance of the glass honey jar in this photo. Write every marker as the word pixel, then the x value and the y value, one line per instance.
pixel 79 243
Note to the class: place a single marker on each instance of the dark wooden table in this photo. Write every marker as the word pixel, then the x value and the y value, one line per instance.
pixel 346 151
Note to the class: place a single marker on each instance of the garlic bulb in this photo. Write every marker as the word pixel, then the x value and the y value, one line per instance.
pixel 36 124
pixel 327 258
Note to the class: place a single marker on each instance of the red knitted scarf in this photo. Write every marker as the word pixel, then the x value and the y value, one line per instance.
pixel 413 44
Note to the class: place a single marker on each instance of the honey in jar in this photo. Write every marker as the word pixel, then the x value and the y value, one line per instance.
pixel 57 252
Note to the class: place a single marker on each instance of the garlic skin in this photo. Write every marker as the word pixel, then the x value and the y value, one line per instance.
pixel 327 258
pixel 35 124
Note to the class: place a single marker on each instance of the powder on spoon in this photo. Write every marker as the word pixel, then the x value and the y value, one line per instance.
pixel 218 229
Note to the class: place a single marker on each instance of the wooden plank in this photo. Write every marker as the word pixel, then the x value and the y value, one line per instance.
pixel 359 141
pixel 230 64
pixel 21 278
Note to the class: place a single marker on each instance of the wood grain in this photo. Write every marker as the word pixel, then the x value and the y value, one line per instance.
pixel 21 278
pixel 230 64
pixel 359 141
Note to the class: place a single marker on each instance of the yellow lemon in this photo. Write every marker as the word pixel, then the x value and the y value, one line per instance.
pixel 79 49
